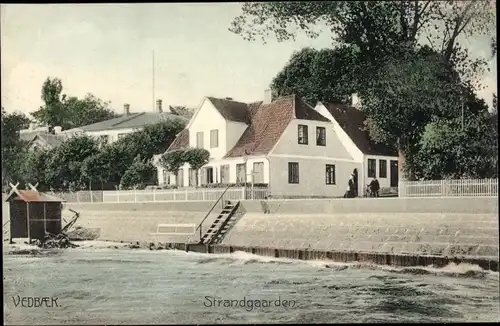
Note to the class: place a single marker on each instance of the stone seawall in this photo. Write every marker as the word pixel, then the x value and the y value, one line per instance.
pixel 137 221
pixel 455 226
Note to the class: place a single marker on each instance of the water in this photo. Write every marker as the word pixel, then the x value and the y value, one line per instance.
pixel 168 287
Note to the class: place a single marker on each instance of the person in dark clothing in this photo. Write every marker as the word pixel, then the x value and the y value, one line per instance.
pixel 375 187
pixel 351 191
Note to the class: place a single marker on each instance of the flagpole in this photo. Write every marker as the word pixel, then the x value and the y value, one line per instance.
pixel 154 107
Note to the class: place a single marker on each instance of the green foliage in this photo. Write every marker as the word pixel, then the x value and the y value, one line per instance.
pixel 196 157
pixel 403 84
pixel 182 111
pixel 318 75
pixel 97 168
pixel 64 164
pixel 69 112
pixel 32 168
pixel 449 150
pixel 12 146
pixel 138 174
pixel 172 161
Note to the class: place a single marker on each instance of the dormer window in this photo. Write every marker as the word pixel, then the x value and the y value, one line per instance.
pixel 302 135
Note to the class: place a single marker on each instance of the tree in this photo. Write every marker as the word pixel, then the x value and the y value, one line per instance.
pixel 87 111
pixel 97 168
pixel 172 161
pixel 12 146
pixel 371 26
pixel 452 149
pixel 318 75
pixel 112 162
pixel 196 158
pixel 32 168
pixel 138 174
pixel 69 112
pixel 64 163
pixel 182 111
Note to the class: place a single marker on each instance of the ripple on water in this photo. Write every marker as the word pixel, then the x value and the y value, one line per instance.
pixel 173 284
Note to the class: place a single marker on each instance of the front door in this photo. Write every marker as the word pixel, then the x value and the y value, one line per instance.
pixel 394 174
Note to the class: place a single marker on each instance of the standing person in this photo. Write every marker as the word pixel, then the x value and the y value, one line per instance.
pixel 351 189
pixel 375 187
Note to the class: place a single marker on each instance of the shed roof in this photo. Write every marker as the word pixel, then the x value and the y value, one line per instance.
pixel 32 196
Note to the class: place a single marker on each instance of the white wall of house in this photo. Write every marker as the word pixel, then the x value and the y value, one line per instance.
pixel 208 118
pixel 113 135
pixel 288 143
pixel 346 141
pixel 261 175
pixel 312 176
pixel 385 182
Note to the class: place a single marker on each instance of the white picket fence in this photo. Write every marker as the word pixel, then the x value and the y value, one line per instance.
pixel 448 188
pixel 141 196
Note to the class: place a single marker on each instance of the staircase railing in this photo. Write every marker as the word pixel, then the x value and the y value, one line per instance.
pixel 200 226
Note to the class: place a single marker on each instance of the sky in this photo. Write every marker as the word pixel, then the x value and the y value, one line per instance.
pixel 107 50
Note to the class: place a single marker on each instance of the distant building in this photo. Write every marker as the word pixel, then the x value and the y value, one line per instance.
pixel 111 130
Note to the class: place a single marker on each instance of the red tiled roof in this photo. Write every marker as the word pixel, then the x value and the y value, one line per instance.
pixel 180 142
pixel 352 121
pixel 268 122
pixel 33 196
pixel 231 110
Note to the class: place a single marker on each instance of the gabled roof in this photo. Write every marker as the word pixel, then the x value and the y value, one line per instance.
pixel 268 122
pixel 32 196
pixel 180 142
pixel 51 140
pixel 134 120
pixel 352 121
pixel 30 135
pixel 231 110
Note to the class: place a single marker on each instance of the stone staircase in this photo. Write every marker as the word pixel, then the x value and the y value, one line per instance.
pixel 221 225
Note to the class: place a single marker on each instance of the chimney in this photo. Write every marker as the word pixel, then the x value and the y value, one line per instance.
pixel 229 98
pixel 57 130
pixel 355 100
pixel 126 109
pixel 158 106
pixel 268 96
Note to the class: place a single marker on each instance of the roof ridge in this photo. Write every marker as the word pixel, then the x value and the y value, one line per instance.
pixel 133 116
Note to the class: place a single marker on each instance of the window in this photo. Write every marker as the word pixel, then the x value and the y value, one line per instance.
pixel 199 139
pixel 214 138
pixel 302 133
pixel 224 174
pixel 166 178
pixel 105 139
pixel 293 172
pixel 330 174
pixel 120 136
pixel 382 168
pixel 241 173
pixel 372 166
pixel 321 136
pixel 258 172
pixel 180 178
pixel 209 175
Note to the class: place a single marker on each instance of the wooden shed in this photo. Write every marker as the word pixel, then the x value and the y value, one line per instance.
pixel 33 213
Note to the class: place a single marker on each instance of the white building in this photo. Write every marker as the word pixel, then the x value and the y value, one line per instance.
pixel 111 130
pixel 294 148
